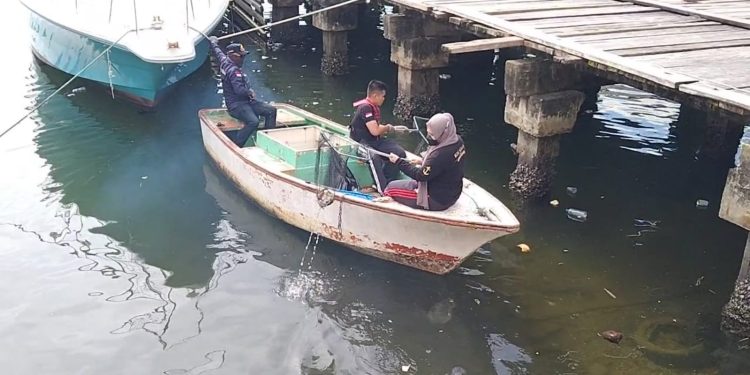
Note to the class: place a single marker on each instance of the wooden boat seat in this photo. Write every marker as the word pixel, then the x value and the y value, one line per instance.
pixel 283 118
pixel 229 123
pixel 286 118
pixel 259 155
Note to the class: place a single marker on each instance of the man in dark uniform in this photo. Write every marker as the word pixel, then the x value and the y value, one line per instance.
pixel 366 129
pixel 238 96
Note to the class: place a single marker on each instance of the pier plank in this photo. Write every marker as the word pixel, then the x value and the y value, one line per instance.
pixel 608 19
pixel 651 32
pixel 640 51
pixel 636 68
pixel 556 14
pixel 666 40
pixel 482 45
pixel 734 97
pixel 693 12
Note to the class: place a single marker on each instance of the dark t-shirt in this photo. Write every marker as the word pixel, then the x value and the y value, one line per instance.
pixel 365 113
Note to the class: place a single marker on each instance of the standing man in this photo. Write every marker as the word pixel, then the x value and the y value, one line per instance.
pixel 238 96
pixel 366 129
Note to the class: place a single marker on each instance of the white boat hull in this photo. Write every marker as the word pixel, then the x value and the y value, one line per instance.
pixel 384 230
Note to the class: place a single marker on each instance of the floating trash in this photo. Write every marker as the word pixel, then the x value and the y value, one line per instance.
pixel 554 203
pixel 524 248
pixel 577 215
pixel 405 368
pixel 78 90
pixel 701 204
pixel 612 336
pixel 445 76
pixel 571 190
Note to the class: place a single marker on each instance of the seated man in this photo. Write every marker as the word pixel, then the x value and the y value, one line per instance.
pixel 438 182
pixel 238 96
pixel 366 129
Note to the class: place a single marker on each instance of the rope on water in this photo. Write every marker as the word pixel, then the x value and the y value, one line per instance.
pixel 43 102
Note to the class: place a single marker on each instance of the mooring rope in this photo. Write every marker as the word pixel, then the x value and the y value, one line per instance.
pixel 272 24
pixel 43 102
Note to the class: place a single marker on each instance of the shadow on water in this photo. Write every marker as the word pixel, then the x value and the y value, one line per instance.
pixel 138 172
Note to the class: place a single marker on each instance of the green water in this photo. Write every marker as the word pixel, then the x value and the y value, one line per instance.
pixel 125 251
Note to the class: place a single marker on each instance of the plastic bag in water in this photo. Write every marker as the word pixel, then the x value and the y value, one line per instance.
pixel 577 215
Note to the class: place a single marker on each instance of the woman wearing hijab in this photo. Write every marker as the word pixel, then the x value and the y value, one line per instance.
pixel 438 181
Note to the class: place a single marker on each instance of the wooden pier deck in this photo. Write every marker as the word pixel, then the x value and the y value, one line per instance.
pixel 698 48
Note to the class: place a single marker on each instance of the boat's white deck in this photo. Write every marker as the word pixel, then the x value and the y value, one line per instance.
pixel 96 19
pixel 473 201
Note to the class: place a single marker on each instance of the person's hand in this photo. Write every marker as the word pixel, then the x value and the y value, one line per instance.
pixel 393 158
pixel 390 128
pixel 213 39
pixel 416 161
pixel 251 93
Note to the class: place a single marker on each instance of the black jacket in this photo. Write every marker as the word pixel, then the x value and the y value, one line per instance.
pixel 443 171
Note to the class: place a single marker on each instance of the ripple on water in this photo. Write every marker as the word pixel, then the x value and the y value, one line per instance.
pixel 640 120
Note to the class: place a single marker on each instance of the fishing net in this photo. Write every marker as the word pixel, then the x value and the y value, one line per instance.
pixel 420 124
pixel 331 167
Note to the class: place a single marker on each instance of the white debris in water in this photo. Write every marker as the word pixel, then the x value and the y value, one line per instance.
pixel 701 204
pixel 445 76
pixel 405 368
pixel 263 57
pixel 477 301
pixel 315 103
pixel 144 177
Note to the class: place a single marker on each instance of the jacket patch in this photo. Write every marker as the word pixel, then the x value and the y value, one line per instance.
pixel 426 170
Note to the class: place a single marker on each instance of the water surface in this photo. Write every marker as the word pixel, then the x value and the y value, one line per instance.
pixel 124 250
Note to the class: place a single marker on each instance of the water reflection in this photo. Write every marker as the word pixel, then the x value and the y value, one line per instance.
pixel 108 169
pixel 358 307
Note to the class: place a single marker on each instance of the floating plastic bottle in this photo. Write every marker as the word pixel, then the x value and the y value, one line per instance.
pixel 577 215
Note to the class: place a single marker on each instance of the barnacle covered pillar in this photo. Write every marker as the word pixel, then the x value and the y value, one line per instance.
pixel 416 48
pixel 335 24
pixel 735 208
pixel 541 105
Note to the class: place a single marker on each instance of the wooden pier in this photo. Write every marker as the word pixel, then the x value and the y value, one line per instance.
pixel 696 48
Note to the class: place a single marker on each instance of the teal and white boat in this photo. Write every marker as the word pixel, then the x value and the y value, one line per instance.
pixel 156 42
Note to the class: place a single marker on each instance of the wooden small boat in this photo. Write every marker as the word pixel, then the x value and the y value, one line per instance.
pixel 277 172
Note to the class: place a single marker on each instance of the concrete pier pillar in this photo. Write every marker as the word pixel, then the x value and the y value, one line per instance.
pixel 288 32
pixel 335 53
pixel 735 208
pixel 736 313
pixel 540 104
pixel 721 137
pixel 536 164
pixel 335 23
pixel 415 48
